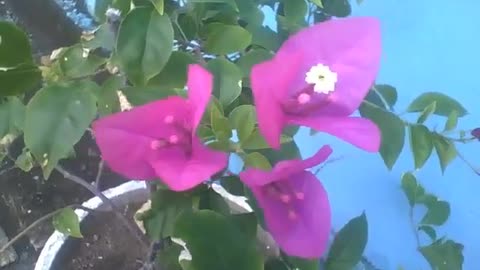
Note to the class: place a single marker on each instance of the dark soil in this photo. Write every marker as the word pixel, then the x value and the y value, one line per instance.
pixel 26 196
pixel 105 246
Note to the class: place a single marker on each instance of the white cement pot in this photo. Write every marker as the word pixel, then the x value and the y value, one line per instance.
pixel 130 192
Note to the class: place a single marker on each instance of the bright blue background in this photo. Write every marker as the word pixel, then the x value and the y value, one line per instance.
pixel 428 45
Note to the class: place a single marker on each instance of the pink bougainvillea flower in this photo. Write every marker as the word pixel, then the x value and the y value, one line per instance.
pixel 294 203
pixel 318 78
pixel 158 139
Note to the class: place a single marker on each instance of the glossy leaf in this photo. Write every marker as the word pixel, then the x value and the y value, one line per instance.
pixel 437 214
pixel 107 97
pixel 445 104
pixel 452 121
pixel 247 223
pixel 265 37
pixel 216 243
pixel 444 255
pixel 337 8
pixel 224 39
pixel 56 118
pixel 348 245
pixel 421 143
pixel 428 230
pixel 227 80
pixel 446 151
pixel 15 46
pixel 19 80
pixel 426 113
pixel 12 116
pixel 392 130
pixel 243 119
pixel 388 93
pixel 257 160
pixel 233 185
pixel 67 222
pixel 220 126
pixel 102 38
pixel 142 95
pixel 159 221
pixel 144 44
pixel 288 150
pixel 77 62
pixel 174 74
pixel 253 57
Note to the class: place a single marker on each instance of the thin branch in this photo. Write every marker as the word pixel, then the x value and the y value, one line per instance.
pixel 414 227
pixel 101 164
pixel 38 222
pixel 106 201
pixel 475 170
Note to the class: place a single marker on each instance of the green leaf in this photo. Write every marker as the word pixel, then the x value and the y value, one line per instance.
pixel 318 3
pixel 392 129
pixel 19 80
pixel 66 222
pixel 444 255
pixel 445 104
pixel 275 264
pixel 410 188
pixel 264 37
pixel 337 8
pixel 257 160
pixel 230 2
pixel 430 231
pixel 348 245
pixel 12 116
pixel 388 93
pixel 211 200
pixel 220 126
pixel 216 243
pixel 253 57
pixel 452 121
pixel 304 264
pixel 224 39
pixel 232 184
pixel 159 6
pixel 437 214
pixel 295 10
pixel 56 118
pixel 288 150
pixel 250 12
pixel 227 80
pixel 103 37
pixel 159 221
pixel 25 161
pixel 15 46
pixel 107 97
pixel 421 143
pixel 174 74
pixel 426 113
pixel 144 44
pixel 446 151
pixel 256 141
pixel 79 62
pixel 243 119
pixel 247 223
pixel 141 95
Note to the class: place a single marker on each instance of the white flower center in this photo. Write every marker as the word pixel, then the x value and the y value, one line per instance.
pixel 322 78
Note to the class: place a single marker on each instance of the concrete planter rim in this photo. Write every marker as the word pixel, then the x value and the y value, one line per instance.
pixel 132 191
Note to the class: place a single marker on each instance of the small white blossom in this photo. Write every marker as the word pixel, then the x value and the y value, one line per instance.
pixel 322 78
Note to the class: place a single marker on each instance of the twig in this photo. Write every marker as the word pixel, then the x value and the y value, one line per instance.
pixel 101 164
pixel 38 222
pixel 414 227
pixel 106 201
pixel 475 170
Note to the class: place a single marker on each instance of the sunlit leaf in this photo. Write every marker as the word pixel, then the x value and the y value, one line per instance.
pixel 67 222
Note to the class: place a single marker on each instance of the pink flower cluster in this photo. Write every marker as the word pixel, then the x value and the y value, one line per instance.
pixel 317 79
